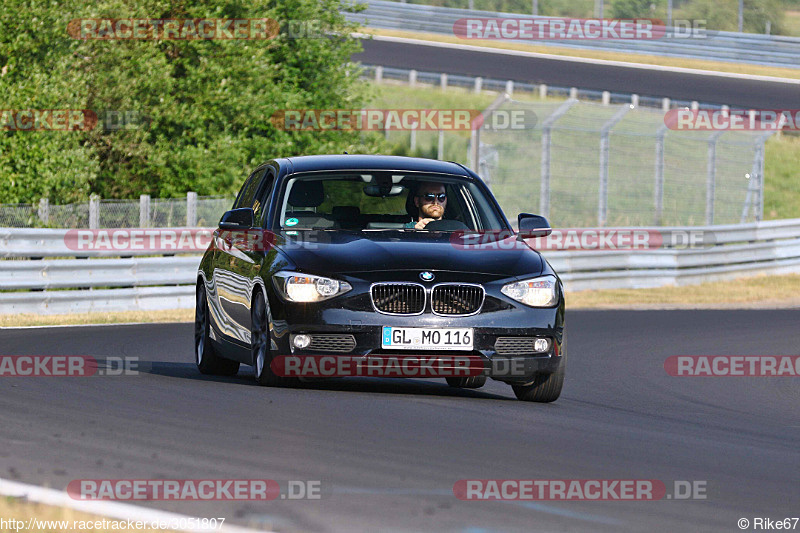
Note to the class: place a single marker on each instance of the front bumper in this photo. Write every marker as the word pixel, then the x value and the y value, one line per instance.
pixel 366 327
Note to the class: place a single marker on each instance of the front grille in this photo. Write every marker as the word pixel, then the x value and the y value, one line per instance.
pixel 398 298
pixel 453 299
pixel 332 342
pixel 515 346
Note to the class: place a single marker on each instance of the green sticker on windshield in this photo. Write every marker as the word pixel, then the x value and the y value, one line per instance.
pixel 292 221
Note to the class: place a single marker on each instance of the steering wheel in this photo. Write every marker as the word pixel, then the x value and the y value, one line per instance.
pixel 445 225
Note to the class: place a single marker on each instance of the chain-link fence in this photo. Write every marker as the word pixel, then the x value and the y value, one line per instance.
pixel 193 211
pixel 588 164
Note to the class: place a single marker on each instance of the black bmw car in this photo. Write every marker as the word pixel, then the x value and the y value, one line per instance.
pixel 362 258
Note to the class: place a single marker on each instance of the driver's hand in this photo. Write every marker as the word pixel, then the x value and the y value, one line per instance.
pixel 422 223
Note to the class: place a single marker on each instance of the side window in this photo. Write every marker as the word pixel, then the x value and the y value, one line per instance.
pixel 262 197
pixel 248 193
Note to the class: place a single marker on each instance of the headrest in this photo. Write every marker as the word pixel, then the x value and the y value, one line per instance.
pixel 306 194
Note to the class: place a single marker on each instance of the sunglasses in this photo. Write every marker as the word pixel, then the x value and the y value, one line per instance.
pixel 431 197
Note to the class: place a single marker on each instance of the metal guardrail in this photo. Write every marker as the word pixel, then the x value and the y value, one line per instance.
pixel 717 45
pixel 31 284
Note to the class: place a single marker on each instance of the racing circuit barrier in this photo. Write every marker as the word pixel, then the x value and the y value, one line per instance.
pixel 41 274
pixel 752 48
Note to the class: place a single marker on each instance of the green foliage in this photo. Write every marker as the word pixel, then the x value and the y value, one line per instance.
pixel 629 9
pixel 207 103
pixel 724 14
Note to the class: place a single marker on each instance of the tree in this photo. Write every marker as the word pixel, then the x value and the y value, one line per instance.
pixel 205 105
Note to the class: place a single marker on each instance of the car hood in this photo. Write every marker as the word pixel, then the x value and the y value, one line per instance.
pixel 341 252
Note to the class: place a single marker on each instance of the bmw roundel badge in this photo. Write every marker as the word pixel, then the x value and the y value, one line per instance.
pixel 426 276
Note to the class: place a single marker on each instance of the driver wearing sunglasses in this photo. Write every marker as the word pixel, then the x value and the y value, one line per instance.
pixel 431 201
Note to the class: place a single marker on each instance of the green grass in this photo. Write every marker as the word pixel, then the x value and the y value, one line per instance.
pixel 575 162
pixel 782 170
pixel 792 23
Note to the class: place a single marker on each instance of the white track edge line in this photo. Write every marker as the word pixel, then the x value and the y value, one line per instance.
pixel 114 510
pixel 95 325
pixel 571 59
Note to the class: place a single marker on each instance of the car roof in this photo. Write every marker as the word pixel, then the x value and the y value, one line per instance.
pixel 310 163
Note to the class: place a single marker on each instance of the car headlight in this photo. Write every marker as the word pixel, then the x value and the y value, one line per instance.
pixel 305 288
pixel 535 292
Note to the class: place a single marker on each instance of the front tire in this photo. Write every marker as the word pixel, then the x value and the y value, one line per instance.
pixel 545 388
pixel 260 346
pixel 206 358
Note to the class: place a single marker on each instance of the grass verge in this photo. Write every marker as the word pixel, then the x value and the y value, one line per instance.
pixel 756 292
pixel 700 64
pixel 173 315
pixel 58 519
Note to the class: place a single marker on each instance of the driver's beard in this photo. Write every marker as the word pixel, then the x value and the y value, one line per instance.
pixel 427 212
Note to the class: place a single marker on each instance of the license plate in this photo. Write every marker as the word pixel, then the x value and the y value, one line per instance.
pixel 427 338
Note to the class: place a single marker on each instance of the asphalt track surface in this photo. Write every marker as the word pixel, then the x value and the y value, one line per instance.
pixel 735 92
pixel 387 452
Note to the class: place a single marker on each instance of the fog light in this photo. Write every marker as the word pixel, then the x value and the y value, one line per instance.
pixel 301 341
pixel 541 345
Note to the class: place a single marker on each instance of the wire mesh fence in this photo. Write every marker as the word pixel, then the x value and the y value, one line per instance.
pixel 193 211
pixel 588 164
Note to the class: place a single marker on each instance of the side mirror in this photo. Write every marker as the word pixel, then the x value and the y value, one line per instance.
pixel 242 218
pixel 531 226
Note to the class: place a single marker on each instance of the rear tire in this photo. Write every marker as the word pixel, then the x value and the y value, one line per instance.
pixel 545 388
pixel 206 358
pixel 260 346
pixel 471 382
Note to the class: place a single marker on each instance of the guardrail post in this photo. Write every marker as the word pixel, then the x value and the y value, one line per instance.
pixel 695 105
pixel 665 104
pixel 44 210
pixel 602 203
pixel 443 82
pixel 760 156
pixel 711 175
pixel 547 127
pixel 509 87
pixel 606 97
pixel 440 149
pixel 94 211
pixel 573 93
pixel 191 209
pixel 658 193
pixel 478 84
pixel 412 78
pixel 413 141
pixel 635 100
pixel 543 91
pixel 144 210
pixel 378 74
pixel 755 184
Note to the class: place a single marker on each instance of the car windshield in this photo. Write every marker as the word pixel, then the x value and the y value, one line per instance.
pixel 374 201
